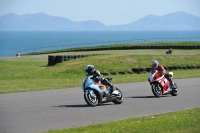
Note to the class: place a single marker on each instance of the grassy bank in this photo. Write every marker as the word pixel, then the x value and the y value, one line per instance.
pixel 31 73
pixel 145 45
pixel 186 121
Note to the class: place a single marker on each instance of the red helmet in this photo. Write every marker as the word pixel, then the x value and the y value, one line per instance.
pixel 155 64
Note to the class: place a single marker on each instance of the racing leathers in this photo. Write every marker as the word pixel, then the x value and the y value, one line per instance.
pixel 97 77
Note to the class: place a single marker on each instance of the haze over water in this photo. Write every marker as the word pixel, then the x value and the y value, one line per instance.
pixel 13 41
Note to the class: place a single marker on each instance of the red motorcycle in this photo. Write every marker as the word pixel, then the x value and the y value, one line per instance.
pixel 160 85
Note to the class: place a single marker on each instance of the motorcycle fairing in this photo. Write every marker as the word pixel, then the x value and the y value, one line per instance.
pixel 101 86
pixel 89 85
pixel 164 83
pixel 154 77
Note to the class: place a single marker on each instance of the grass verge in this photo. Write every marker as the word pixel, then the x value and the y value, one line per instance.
pixel 32 73
pixel 186 121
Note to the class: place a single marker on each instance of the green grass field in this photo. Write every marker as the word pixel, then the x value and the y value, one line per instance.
pixel 31 73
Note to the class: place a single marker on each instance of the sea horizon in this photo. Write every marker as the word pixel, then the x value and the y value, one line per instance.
pixel 12 42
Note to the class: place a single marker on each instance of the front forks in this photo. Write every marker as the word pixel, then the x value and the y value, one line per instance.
pixel 91 93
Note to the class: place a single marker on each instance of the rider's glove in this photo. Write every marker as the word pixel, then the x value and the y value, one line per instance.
pixel 104 79
pixel 161 74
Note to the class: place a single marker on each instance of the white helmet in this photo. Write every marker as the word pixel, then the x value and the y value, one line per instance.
pixel 155 64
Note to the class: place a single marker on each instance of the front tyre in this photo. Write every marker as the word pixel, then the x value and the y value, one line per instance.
pixel 118 99
pixel 91 100
pixel 157 91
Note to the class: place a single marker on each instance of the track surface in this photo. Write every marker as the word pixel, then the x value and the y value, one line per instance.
pixel 54 109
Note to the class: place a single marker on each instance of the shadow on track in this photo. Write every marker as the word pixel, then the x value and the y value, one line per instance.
pixel 146 96
pixel 78 106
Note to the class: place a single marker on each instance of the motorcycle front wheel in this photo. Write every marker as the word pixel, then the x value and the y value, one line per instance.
pixel 157 91
pixel 91 100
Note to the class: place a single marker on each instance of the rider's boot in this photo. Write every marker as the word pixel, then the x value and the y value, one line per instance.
pixel 172 85
pixel 104 96
pixel 113 92
pixel 168 76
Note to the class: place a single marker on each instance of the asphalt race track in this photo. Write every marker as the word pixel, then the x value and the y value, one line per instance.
pixel 39 111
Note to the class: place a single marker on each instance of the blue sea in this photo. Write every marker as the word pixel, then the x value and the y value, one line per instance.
pixel 12 42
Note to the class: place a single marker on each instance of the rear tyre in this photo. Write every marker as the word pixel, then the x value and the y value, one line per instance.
pixel 157 91
pixel 91 100
pixel 175 91
pixel 119 98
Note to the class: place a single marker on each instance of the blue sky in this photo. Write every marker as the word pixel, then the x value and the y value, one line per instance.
pixel 109 12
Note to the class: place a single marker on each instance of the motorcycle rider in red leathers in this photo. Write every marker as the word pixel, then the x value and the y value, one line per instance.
pixel 161 71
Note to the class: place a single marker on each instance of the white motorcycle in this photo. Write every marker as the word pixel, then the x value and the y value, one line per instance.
pixel 160 85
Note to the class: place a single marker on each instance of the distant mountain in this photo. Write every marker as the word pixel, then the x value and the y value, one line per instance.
pixel 172 21
pixel 45 22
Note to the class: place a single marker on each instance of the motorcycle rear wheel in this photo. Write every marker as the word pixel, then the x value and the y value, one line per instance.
pixel 119 99
pixel 157 91
pixel 90 100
